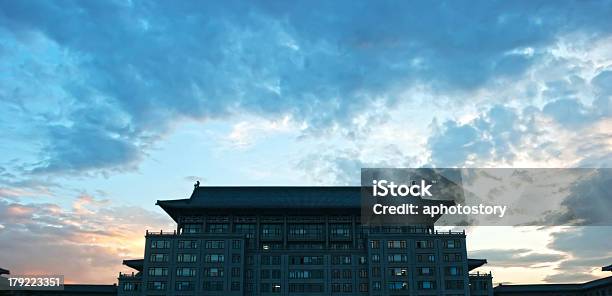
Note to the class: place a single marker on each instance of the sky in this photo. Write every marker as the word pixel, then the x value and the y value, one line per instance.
pixel 108 106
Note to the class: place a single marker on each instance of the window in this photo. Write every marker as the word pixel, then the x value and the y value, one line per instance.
pixel 213 272
pixel 453 284
pixel 340 230
pixel 192 228
pixel 216 228
pixel 236 244
pixel 235 286
pixel 270 260
pixel 306 260
pixel 397 286
pixel 375 244
pixel 306 274
pixel 160 244
pixel 453 257
pixel 130 286
pixel 363 260
pixel 453 270
pixel 363 273
pixel 184 286
pixel 213 286
pixel 186 257
pixel 306 288
pixel 184 271
pixel 271 230
pixel 235 271
pixel 213 258
pixel 398 272
pixel 215 244
pixel 158 258
pixel 376 271
pixel 247 229
pixel 425 271
pixel 426 258
pixel 276 288
pixel 158 271
pixel 305 231
pixel 395 258
pixel 235 258
pixel 426 285
pixel 375 258
pixel 363 287
pixel 156 285
pixel 341 260
pixel 424 244
pixel 396 244
pixel 452 244
pixel 376 286
pixel 347 288
pixel 187 244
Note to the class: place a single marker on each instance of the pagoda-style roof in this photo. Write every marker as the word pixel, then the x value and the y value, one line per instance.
pixel 265 197
pixel 475 263
pixel 134 263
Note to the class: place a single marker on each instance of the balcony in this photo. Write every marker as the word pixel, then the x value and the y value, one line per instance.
pixel 160 233
pixel 130 276
pixel 480 275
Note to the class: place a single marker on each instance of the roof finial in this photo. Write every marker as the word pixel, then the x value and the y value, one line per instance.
pixel 196 185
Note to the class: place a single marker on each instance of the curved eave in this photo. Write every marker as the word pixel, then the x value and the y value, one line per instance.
pixel 134 263
pixel 475 263
pixel 173 207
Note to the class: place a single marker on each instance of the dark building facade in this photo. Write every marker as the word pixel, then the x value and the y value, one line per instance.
pixel 298 241
pixel 599 287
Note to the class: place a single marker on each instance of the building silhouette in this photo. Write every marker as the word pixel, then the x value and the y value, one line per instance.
pixel 298 241
pixel 598 287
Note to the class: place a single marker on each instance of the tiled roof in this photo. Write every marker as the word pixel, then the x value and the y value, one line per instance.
pixel 270 197
pixel 266 197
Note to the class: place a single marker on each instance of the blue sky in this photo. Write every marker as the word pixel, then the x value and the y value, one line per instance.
pixel 107 106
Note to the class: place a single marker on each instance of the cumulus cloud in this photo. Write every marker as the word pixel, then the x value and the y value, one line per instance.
pixel 86 243
pixel 121 73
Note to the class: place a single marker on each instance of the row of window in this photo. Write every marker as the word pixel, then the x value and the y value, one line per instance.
pixel 193 244
pixel 298 287
pixel 419 244
pixel 306 274
pixel 189 258
pixel 402 258
pixel 271 230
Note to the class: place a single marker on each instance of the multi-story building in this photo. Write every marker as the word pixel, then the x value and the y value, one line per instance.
pixel 296 240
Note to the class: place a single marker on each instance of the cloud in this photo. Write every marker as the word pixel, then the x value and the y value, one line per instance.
pixel 517 257
pixel 588 251
pixel 46 238
pixel 121 74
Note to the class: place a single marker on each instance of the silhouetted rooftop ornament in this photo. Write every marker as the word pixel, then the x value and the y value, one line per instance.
pixel 196 185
